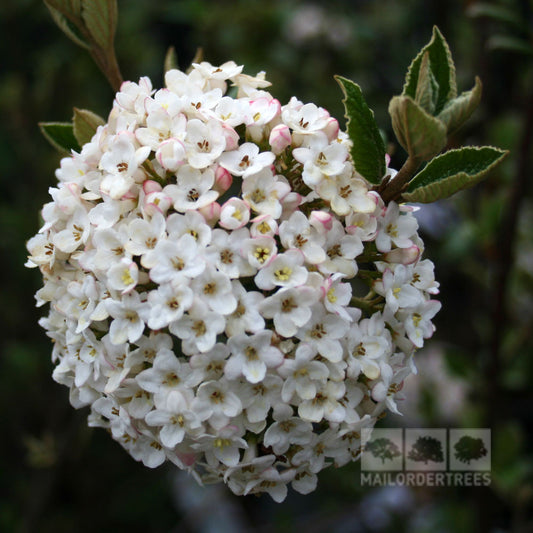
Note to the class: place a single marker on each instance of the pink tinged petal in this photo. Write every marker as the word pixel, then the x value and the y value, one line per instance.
pixel 150 186
pixel 211 213
pixel 280 138
pixel 331 129
pixel 231 137
pixel 321 220
pixel 234 214
pixel 223 180
pixel 171 154
pixel 405 256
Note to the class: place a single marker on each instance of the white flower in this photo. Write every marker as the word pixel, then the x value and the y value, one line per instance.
pixel 396 288
pixel 75 234
pixel 246 316
pixel 320 159
pixel 325 404
pixel 285 270
pixel 204 142
pixel 290 308
pixel 168 303
pixel 166 373
pixel 215 289
pixel 396 229
pixel 324 330
pixel 287 430
pixel 341 251
pixel 201 257
pixel 346 193
pixel 177 260
pixel 246 160
pixel 176 419
pixel 193 189
pixel 234 214
pixel 127 324
pixel 264 192
pixel 120 165
pixel 143 238
pixel 251 356
pixel 302 374
pixel 216 402
pixel 418 324
pixel 297 232
pixel 225 253
pixel 198 329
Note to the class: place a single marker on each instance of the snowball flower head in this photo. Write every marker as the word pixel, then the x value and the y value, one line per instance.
pixel 226 292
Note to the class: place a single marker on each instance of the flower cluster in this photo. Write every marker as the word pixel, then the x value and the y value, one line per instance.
pixel 227 292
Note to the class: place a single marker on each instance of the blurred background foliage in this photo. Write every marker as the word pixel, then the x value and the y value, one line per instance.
pixel 58 475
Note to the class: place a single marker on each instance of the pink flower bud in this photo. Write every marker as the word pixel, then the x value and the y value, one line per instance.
pixel 211 213
pixel 405 256
pixel 151 186
pixel 280 138
pixel 321 220
pixel 332 129
pixel 223 180
pixel 231 136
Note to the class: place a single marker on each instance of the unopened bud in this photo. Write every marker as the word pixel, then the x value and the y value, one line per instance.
pixel 280 138
pixel 223 180
pixel 405 256
pixel 211 213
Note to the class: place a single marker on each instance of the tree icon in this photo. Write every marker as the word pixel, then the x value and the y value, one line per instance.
pixel 469 448
pixel 426 449
pixel 383 449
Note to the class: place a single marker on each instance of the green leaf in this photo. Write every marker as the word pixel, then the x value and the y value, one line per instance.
pixel 451 172
pixel 441 66
pixel 85 123
pixel 368 149
pixel 458 110
pixel 420 134
pixel 100 17
pixel 171 59
pixel 60 135
pixel 427 88
pixel 68 27
pixel 66 7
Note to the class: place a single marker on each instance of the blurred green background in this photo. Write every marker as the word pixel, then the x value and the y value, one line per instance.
pixel 58 475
